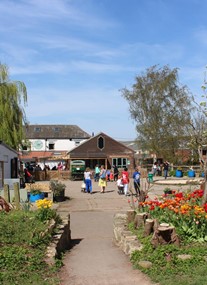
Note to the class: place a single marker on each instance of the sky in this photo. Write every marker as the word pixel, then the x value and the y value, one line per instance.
pixel 75 56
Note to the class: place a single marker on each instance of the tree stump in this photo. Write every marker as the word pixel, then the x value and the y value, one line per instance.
pixel 148 227
pixel 165 234
pixel 140 219
pixel 130 216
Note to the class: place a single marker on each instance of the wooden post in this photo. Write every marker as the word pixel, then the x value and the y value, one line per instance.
pixel 139 220
pixel 6 193
pixel 148 227
pixel 130 216
pixel 16 195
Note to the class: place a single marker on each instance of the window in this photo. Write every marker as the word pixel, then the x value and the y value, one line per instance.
pixel 101 143
pixel 119 162
pixel 37 129
pixel 51 146
pixel 56 129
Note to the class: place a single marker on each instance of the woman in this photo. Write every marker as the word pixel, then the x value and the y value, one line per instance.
pixel 87 179
pixel 102 179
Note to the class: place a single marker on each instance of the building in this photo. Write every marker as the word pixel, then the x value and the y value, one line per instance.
pixel 104 150
pixel 8 163
pixel 49 144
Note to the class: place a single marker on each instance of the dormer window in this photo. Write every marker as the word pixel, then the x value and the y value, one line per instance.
pixel 37 129
pixel 101 143
pixel 56 129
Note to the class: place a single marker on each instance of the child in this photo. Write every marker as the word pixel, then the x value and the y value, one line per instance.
pixel 136 177
pixel 120 185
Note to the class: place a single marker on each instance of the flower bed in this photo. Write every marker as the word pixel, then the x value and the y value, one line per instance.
pixel 184 211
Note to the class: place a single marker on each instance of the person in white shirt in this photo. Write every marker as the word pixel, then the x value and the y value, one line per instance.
pixel 88 181
pixel 120 185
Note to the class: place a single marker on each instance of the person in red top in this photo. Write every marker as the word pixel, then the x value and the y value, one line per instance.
pixel 125 180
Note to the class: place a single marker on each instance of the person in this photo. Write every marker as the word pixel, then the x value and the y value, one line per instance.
pixel 102 179
pixel 136 177
pixel 116 173
pixel 125 180
pixel 88 181
pixel 108 172
pixel 166 168
pixel 159 170
pixel 97 171
pixel 27 176
pixel 154 169
pixel 120 185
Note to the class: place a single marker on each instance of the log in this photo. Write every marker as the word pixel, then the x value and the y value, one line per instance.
pixel 148 227
pixel 130 216
pixel 140 219
pixel 165 234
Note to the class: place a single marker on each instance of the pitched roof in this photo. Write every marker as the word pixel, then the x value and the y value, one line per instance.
pixel 55 132
pixel 89 148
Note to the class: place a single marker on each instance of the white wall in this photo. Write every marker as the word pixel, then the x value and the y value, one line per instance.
pixel 6 155
pixel 61 145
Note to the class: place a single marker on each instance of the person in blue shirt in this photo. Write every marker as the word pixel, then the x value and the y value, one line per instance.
pixel 136 177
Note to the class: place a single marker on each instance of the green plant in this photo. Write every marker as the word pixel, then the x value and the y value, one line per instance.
pixel 172 173
pixel 24 240
pixel 58 188
pixel 35 191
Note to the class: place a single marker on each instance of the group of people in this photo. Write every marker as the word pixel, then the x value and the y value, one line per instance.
pixel 157 168
pixel 122 179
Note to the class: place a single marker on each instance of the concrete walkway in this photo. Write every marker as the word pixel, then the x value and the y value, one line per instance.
pixel 93 258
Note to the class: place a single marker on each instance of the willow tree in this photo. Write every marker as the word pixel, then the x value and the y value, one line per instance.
pixel 161 109
pixel 13 97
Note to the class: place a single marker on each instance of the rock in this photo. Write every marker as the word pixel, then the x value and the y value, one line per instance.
pixel 145 264
pixel 184 256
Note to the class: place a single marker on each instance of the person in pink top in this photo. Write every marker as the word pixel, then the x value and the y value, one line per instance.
pixel 125 180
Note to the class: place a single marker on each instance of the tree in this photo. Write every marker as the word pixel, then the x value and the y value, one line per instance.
pixel 12 116
pixel 161 108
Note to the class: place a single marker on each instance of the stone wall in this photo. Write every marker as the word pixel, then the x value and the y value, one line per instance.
pixel 123 237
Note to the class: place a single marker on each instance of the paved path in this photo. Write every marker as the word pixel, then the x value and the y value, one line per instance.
pixel 94 259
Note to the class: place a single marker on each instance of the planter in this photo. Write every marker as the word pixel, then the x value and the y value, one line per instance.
pixel 35 197
pixel 168 191
pixel 60 196
pixel 178 173
pixel 191 173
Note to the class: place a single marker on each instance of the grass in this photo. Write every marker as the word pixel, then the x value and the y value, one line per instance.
pixel 166 267
pixel 22 250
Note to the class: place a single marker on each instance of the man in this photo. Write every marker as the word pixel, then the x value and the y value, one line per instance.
pixel 166 168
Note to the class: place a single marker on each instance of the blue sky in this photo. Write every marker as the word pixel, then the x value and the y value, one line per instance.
pixel 75 55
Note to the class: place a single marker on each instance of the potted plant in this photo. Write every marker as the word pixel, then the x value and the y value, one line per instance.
pixel 167 191
pixel 179 172
pixel 36 194
pixel 58 190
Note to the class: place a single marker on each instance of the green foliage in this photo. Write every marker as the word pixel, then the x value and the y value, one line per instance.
pixel 161 108
pixel 45 214
pixel 57 187
pixel 12 116
pixel 24 239
pixel 35 191
pixel 167 268
pixel 172 173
